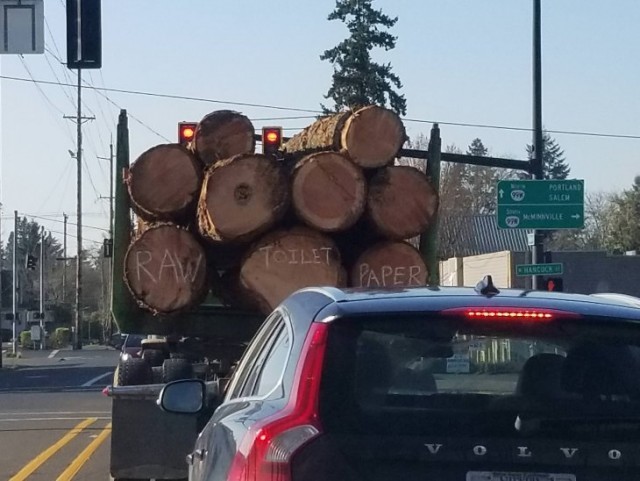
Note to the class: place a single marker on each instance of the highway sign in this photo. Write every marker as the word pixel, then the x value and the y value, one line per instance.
pixel 541 204
pixel 538 269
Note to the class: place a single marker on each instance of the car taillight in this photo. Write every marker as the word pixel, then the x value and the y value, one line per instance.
pixel 265 452
pixel 510 313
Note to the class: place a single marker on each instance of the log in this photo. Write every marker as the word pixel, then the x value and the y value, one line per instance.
pixel 286 260
pixel 328 191
pixel 371 137
pixel 223 134
pixel 166 269
pixel 401 202
pixel 242 197
pixel 389 264
pixel 164 183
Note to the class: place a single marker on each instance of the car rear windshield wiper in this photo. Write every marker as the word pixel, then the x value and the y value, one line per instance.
pixel 532 424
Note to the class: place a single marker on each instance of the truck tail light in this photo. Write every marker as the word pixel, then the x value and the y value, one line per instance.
pixel 266 451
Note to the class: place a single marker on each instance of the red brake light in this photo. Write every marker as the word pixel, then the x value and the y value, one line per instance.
pixel 266 450
pixel 186 132
pixel 510 313
pixel 482 314
pixel 271 140
pixel 272 137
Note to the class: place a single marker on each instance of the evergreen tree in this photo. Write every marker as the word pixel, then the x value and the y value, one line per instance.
pixel 624 215
pixel 554 165
pixel 357 79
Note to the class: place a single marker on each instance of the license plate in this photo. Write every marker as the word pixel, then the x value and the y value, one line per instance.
pixel 514 476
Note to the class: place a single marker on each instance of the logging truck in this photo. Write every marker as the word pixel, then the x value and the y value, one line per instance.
pixel 210 237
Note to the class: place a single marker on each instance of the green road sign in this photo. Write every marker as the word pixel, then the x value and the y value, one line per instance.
pixel 540 204
pixel 538 269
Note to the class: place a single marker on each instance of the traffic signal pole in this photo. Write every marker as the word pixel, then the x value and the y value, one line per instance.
pixel 536 161
pixel 41 313
pixel 15 282
pixel 77 340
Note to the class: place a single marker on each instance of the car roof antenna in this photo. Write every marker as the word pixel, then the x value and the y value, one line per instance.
pixel 486 287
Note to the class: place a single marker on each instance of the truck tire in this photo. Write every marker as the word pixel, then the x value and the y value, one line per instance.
pixel 133 372
pixel 156 374
pixel 153 356
pixel 174 369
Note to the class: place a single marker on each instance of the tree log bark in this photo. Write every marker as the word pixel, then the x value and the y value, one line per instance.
pixel 166 269
pixel 242 197
pixel 389 264
pixel 223 134
pixel 164 183
pixel 328 191
pixel 371 137
pixel 401 202
pixel 284 261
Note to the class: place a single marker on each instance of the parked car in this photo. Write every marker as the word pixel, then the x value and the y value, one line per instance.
pixel 117 340
pixel 428 383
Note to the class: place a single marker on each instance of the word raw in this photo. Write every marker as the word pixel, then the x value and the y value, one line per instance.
pixel 170 266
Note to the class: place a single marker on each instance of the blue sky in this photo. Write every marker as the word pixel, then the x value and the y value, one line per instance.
pixel 461 61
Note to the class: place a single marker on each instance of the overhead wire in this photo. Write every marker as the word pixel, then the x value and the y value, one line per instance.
pixel 62 222
pixel 293 109
pixel 64 173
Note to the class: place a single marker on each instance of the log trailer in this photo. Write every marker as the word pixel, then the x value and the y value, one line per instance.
pixel 343 222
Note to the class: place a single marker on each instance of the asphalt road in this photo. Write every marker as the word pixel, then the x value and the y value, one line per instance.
pixel 54 420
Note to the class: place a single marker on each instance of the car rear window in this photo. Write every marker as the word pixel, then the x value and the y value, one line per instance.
pixel 450 375
pixel 134 340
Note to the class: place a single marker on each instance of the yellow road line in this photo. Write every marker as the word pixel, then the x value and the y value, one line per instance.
pixel 83 457
pixel 41 458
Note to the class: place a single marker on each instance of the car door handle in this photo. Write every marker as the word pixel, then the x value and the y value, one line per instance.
pixel 197 455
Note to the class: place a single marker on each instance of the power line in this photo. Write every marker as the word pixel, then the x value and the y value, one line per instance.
pixel 62 222
pixel 97 90
pixel 63 174
pixel 169 96
pixel 293 109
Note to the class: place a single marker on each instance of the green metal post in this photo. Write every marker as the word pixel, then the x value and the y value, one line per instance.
pixel 429 240
pixel 120 299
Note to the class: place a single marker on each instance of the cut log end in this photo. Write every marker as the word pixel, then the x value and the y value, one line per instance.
pixel 166 269
pixel 223 134
pixel 389 265
pixel 373 136
pixel 401 202
pixel 328 191
pixel 242 197
pixel 287 260
pixel 164 183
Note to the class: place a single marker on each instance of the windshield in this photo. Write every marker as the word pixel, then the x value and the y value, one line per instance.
pixel 134 340
pixel 472 377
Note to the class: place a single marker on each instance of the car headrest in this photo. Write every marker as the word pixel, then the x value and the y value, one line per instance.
pixel 541 376
pixel 602 370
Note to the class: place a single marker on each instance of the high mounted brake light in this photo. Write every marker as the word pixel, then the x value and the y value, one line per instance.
pixel 510 313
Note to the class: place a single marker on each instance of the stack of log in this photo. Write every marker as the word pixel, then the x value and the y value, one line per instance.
pixel 334 211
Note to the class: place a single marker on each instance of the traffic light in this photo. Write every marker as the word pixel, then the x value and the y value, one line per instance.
pixel 107 248
pixel 553 284
pixel 271 140
pixel 84 34
pixel 32 263
pixel 186 132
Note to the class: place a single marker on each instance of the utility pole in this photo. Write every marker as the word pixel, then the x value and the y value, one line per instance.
pixel 77 338
pixel 41 313
pixel 64 255
pixel 111 202
pixel 15 281
pixel 536 162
